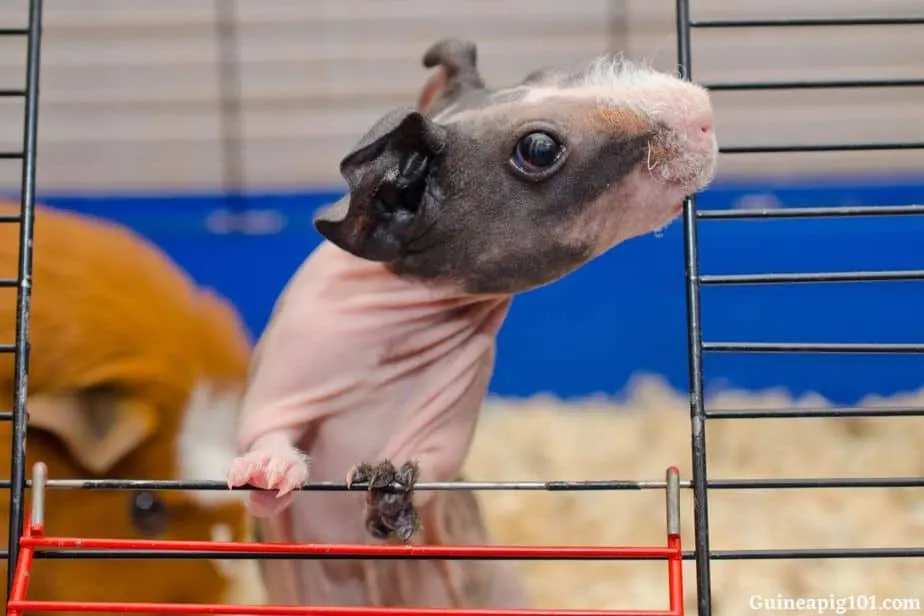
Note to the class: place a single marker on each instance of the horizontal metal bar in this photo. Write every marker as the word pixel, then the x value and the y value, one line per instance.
pixel 215 549
pixel 157 485
pixel 14 31
pixel 8 282
pixel 820 482
pixel 5 218
pixel 884 276
pixel 780 553
pixel 814 553
pixel 807 22
pixel 809 413
pixel 11 155
pixel 831 147
pixel 136 554
pixel 338 486
pixel 814 212
pixel 813 85
pixel 719 484
pixel 811 347
pixel 29 606
pixel 770 554
pixel 11 92
pixel 6 416
pixel 7 348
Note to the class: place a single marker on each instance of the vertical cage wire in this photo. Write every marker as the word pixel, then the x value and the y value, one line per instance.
pixel 229 106
pixel 618 24
pixel 24 287
pixel 695 356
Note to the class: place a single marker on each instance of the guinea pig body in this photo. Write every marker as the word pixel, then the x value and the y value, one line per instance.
pixel 358 364
pixel 135 373
pixel 378 357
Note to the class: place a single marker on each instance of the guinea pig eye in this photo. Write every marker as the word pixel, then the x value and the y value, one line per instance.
pixel 537 154
pixel 148 514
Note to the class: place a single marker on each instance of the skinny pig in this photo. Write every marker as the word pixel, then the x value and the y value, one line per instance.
pixel 380 349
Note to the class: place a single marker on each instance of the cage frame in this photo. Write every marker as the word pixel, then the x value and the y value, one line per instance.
pixel 26 540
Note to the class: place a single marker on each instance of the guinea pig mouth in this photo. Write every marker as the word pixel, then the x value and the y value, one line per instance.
pixel 672 160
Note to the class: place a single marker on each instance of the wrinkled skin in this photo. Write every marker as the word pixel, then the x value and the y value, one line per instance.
pixel 378 355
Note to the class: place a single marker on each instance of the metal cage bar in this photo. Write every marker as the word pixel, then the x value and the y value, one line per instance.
pixel 695 356
pixel 841 211
pixel 20 349
pixel 808 22
pixel 230 114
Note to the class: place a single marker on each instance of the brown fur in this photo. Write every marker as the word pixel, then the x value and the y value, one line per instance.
pixel 609 118
pixel 119 337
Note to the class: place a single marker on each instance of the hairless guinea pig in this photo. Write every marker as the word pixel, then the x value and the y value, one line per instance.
pixel 382 345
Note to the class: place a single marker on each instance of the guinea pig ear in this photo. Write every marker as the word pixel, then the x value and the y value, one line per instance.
pixel 97 428
pixel 387 174
pixel 458 71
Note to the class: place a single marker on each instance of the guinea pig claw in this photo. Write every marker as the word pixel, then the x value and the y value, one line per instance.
pixel 383 476
pixel 407 475
pixel 361 473
pixel 353 476
pixel 240 473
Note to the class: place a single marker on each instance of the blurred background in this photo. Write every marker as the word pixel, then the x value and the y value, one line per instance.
pixel 216 127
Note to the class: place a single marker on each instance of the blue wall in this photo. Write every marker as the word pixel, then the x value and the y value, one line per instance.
pixel 625 313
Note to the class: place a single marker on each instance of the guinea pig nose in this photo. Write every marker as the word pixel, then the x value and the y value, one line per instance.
pixel 148 514
pixel 705 128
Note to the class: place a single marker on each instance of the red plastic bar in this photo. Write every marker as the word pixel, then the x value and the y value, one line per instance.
pixel 31 540
pixel 23 569
pixel 307 610
pixel 675 575
pixel 34 539
pixel 359 551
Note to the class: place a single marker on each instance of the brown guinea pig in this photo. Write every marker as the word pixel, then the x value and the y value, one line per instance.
pixel 135 373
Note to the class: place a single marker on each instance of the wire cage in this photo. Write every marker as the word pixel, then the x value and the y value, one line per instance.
pixel 28 539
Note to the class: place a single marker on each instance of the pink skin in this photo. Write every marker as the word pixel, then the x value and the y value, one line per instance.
pixel 360 364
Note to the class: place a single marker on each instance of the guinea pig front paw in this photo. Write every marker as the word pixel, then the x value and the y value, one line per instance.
pixel 277 472
pixel 389 510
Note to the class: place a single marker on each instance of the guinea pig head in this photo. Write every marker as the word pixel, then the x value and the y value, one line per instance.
pixel 503 190
pixel 123 432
